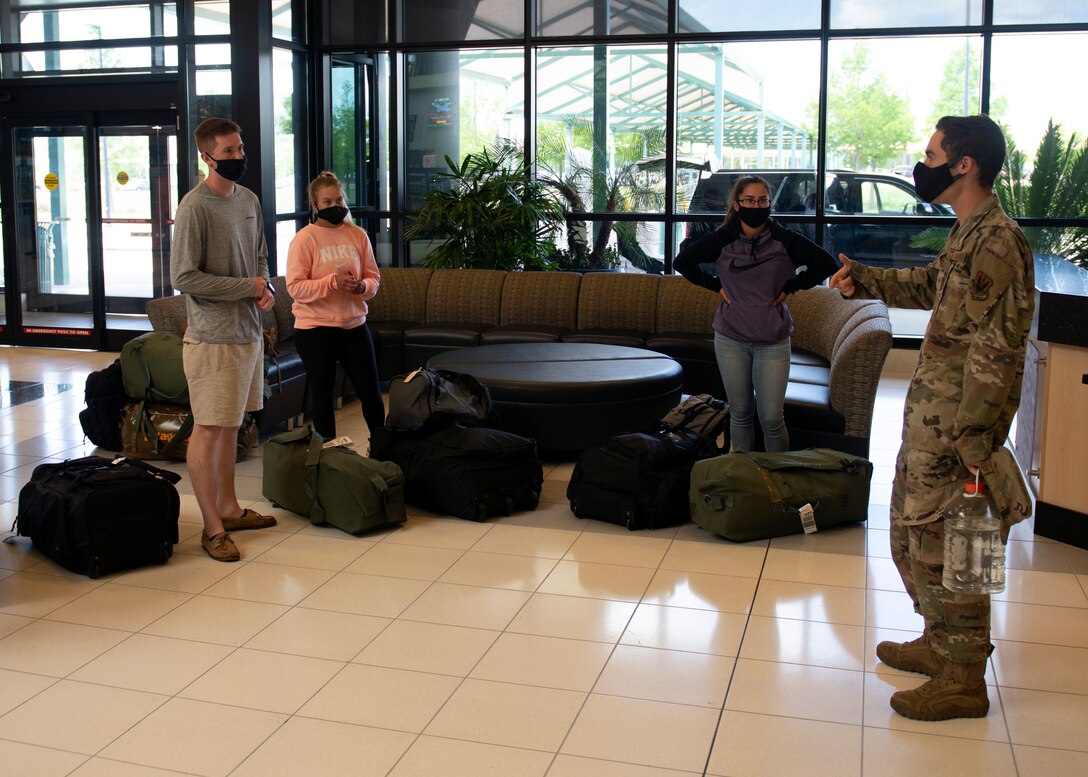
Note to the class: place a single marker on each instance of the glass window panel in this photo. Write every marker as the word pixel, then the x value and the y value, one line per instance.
pixel 289 105
pixel 707 16
pixel 90 60
pixel 212 93
pixel 1026 106
pixel 862 14
pixel 629 246
pixel 211 17
pixel 624 17
pixel 1070 243
pixel 745 106
pixel 74 24
pixel 459 102
pixel 435 21
pixel 1040 11
pixel 285 233
pixel 885 245
pixel 170 20
pixel 885 96
pixel 357 22
pixel 380 238
pixel 283 20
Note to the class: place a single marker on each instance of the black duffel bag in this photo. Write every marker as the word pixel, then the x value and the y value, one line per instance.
pixel 467 471
pixel 96 515
pixel 638 480
pixel 427 398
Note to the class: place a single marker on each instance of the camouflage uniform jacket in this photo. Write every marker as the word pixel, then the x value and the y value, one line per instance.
pixel 966 387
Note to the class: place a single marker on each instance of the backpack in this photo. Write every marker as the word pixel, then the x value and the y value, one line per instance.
pixel 106 399
pixel 701 413
pixel 151 366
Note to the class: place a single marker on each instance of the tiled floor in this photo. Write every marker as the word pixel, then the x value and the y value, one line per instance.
pixel 532 645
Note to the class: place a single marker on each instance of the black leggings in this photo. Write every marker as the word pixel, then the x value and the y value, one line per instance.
pixel 321 348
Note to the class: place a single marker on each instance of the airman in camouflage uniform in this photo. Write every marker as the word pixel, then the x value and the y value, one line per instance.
pixel 959 407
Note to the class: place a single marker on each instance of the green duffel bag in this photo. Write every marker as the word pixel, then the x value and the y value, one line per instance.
pixel 755 496
pixel 284 463
pixel 151 368
pixel 332 484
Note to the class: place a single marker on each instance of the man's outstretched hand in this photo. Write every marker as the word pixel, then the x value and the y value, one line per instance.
pixel 841 280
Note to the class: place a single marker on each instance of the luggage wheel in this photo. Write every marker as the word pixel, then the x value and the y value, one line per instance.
pixel 94 568
pixel 629 521
pixel 166 552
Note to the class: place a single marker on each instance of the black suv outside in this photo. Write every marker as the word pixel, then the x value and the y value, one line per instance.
pixel 846 192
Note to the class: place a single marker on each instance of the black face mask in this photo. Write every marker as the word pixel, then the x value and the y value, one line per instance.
pixel 754 217
pixel 930 182
pixel 334 214
pixel 231 169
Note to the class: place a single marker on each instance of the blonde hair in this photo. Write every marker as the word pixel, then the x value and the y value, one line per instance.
pixel 325 179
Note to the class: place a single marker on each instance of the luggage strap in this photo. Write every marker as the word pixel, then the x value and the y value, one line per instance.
pixel 313 459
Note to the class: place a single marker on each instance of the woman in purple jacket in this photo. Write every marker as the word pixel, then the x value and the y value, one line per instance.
pixel 758 264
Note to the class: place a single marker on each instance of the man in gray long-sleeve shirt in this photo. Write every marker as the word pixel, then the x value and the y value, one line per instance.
pixel 220 261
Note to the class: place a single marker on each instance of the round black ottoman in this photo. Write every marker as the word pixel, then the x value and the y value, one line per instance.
pixel 570 396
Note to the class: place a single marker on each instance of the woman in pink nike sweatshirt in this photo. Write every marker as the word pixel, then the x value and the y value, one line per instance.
pixel 331 273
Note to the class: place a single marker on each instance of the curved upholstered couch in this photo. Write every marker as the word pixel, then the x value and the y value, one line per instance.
pixel 839 345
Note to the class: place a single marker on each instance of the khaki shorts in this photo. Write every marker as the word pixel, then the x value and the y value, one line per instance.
pixel 225 380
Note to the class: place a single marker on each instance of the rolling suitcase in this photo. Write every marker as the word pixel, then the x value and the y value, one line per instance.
pixel 755 496
pixel 96 515
pixel 638 480
pixel 467 471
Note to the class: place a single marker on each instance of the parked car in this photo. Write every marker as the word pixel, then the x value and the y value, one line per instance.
pixel 846 192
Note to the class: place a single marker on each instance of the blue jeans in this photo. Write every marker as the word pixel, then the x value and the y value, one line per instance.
pixel 755 376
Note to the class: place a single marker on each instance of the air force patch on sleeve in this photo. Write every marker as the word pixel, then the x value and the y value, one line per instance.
pixel 981 285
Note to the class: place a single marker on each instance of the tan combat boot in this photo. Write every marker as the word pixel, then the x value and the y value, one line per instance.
pixel 959 691
pixel 913 656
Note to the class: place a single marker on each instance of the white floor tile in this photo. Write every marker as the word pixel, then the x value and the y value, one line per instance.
pixel 749 745
pixel 537 644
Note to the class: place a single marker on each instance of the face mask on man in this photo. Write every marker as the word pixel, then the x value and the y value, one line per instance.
pixel 754 217
pixel 334 214
pixel 231 169
pixel 930 182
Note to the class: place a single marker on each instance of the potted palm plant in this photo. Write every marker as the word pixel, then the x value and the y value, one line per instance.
pixel 491 212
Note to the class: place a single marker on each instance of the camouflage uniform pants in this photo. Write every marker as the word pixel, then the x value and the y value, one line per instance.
pixel 958 624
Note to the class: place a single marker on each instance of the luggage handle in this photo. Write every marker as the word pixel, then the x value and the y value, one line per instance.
pixel 165 474
pixel 313 456
pixel 841 465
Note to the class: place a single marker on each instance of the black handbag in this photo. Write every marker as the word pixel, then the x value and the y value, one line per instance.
pixel 427 398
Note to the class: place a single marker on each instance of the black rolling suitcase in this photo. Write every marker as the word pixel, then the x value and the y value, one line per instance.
pixel 467 471
pixel 638 480
pixel 96 515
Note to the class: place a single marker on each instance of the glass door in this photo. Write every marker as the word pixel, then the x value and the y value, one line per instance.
pixel 137 197
pixel 52 238
pixel 93 213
